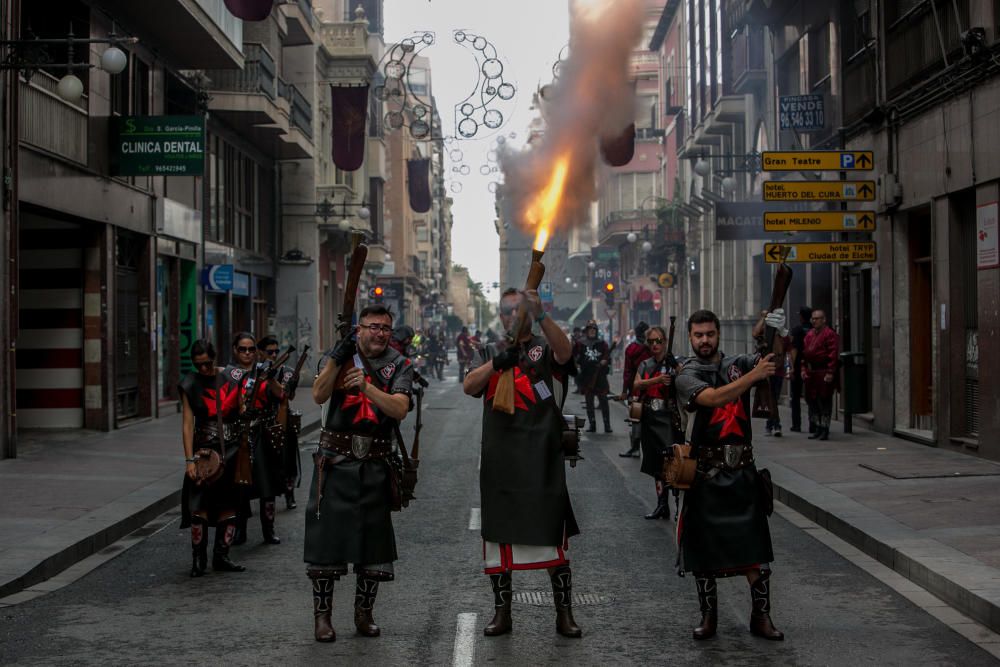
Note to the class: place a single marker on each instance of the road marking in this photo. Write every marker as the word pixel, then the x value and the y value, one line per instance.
pixel 465 640
pixel 475 519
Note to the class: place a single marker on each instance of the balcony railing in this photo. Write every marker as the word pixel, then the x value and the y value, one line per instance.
pixel 345 38
pixel 305 6
pixel 231 26
pixel 301 109
pixel 49 123
pixel 749 69
pixel 259 74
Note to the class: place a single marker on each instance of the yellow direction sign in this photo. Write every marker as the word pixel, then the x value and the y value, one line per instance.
pixel 820 221
pixel 817 160
pixel 853 251
pixel 819 190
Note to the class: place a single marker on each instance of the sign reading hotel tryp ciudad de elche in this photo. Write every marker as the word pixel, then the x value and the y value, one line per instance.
pixel 158 145
pixel 817 160
pixel 848 251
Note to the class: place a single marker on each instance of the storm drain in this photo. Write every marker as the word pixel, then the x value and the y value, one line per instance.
pixel 544 599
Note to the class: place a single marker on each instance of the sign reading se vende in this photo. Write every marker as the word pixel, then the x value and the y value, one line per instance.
pixel 855 251
pixel 819 221
pixel 819 190
pixel 817 160
pixel 158 145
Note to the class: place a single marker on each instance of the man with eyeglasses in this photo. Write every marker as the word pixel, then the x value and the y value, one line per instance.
pixel 348 516
pixel 820 353
pixel 723 530
pixel 527 518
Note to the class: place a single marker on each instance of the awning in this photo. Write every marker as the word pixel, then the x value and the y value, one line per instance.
pixel 576 313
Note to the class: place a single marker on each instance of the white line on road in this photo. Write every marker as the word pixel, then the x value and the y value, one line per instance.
pixel 475 519
pixel 465 640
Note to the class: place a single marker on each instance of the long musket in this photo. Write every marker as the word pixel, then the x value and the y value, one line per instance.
pixel 675 413
pixel 346 319
pixel 503 399
pixel 765 404
pixel 283 405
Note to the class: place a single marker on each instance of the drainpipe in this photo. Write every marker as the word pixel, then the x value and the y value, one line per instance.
pixel 11 210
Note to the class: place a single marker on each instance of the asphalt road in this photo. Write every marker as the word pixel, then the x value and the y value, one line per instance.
pixel 141 607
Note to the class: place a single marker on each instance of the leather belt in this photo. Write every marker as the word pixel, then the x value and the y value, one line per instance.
pixel 730 457
pixel 358 447
pixel 210 431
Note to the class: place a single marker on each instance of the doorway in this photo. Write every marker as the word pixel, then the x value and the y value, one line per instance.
pixel 921 320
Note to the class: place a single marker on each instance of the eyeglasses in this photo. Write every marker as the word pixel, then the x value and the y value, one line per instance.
pixel 816 319
pixel 271 352
pixel 508 310
pixel 205 364
pixel 654 341
pixel 376 329
pixel 244 350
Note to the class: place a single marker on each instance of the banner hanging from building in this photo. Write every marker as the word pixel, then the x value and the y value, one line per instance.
pixel 250 10
pixel 349 111
pixel 618 151
pixel 419 185
pixel 158 145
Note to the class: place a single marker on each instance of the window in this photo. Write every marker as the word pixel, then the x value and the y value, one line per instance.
pixel 234 189
pixel 819 58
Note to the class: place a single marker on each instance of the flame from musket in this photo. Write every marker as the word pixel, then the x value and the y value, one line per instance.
pixel 545 206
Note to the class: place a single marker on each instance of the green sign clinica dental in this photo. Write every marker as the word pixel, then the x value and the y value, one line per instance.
pixel 158 145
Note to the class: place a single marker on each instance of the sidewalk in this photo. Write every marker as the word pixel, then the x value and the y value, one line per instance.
pixel 69 494
pixel 931 515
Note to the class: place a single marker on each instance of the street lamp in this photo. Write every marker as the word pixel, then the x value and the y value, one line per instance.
pixel 632 237
pixel 702 167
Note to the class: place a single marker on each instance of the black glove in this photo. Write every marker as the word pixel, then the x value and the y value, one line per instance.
pixel 506 359
pixel 343 350
pixel 293 384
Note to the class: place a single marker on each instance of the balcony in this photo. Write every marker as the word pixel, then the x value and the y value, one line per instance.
pixel 189 34
pixel 749 69
pixel 300 21
pixel 616 225
pixel 50 123
pixel 345 58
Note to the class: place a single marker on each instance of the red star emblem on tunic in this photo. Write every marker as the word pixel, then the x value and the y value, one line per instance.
pixel 365 411
pixel 656 390
pixel 729 416
pixel 522 389
pixel 229 399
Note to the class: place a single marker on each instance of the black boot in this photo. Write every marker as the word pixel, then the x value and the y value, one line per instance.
pixel 824 432
pixel 267 521
pixel 224 534
pixel 199 548
pixel 240 534
pixel 322 584
pixel 816 432
pixel 760 612
pixel 607 427
pixel 290 503
pixel 662 510
pixel 708 600
pixel 502 622
pixel 633 451
pixel 364 604
pixel 562 595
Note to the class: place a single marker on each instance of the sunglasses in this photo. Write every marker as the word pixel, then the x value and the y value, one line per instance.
pixel 508 310
pixel 375 329
pixel 654 341
pixel 271 353
pixel 244 350
pixel 205 364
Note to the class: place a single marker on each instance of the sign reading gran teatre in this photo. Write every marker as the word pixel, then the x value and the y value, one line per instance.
pixel 158 145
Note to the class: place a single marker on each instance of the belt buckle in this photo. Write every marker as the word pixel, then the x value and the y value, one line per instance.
pixel 360 446
pixel 656 404
pixel 732 454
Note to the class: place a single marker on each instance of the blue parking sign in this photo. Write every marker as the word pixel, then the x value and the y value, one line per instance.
pixel 847 160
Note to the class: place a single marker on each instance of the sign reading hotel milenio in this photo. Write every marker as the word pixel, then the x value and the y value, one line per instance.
pixel 158 145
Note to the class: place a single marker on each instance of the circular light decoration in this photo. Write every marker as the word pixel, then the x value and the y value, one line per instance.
pixel 468 128
pixel 464 170
pixel 492 68
pixel 420 129
pixel 484 170
pixel 557 69
pixel 456 187
pixel 480 43
pixel 460 36
pixel 408 45
pixel 114 60
pixel 467 109
pixel 505 91
pixel 419 111
pixel 493 119
pixel 395 69
pixel 455 169
pixel 456 155
pixel 394 120
pixel 491 91
pixel 428 38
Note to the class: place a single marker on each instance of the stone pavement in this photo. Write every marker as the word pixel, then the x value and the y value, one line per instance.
pixel 931 515
pixel 69 494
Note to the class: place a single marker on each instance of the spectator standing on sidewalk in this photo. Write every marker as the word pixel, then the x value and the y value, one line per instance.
pixel 819 372
pixel 798 336
pixel 636 353
pixel 204 395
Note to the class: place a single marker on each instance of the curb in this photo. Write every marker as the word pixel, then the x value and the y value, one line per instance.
pixel 166 495
pixel 961 581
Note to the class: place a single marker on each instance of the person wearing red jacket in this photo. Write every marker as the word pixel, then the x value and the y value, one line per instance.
pixel 636 353
pixel 819 373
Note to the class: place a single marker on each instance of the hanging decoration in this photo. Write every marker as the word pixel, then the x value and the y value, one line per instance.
pixel 349 112
pixel 418 184
pixel 250 10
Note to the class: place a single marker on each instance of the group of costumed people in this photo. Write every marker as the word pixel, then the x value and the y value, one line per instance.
pixel 240 443
pixel 366 387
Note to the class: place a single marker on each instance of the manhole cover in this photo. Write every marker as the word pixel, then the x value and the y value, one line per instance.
pixel 544 599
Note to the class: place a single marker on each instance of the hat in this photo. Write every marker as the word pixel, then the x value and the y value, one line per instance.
pixel 592 324
pixel 641 329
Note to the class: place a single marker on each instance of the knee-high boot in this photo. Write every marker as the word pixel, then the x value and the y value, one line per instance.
pixel 199 548
pixel 224 533
pixel 267 521
pixel 502 622
pixel 562 595
pixel 708 600
pixel 760 612
pixel 322 585
pixel 364 605
pixel 662 502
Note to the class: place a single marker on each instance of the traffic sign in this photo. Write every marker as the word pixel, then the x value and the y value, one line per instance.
pixel 819 190
pixel 852 251
pixel 657 300
pixel 817 160
pixel 820 221
pixel 666 280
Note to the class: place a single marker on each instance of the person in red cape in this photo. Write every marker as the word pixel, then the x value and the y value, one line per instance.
pixel 819 373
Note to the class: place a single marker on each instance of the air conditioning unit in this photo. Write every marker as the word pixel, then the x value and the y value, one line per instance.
pixel 890 191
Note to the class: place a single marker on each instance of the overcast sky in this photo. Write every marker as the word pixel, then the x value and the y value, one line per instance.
pixel 528 36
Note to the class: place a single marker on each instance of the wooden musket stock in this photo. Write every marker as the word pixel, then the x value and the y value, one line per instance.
pixel 765 404
pixel 503 399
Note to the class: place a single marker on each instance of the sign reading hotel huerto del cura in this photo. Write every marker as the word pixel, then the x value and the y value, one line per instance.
pixel 158 145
